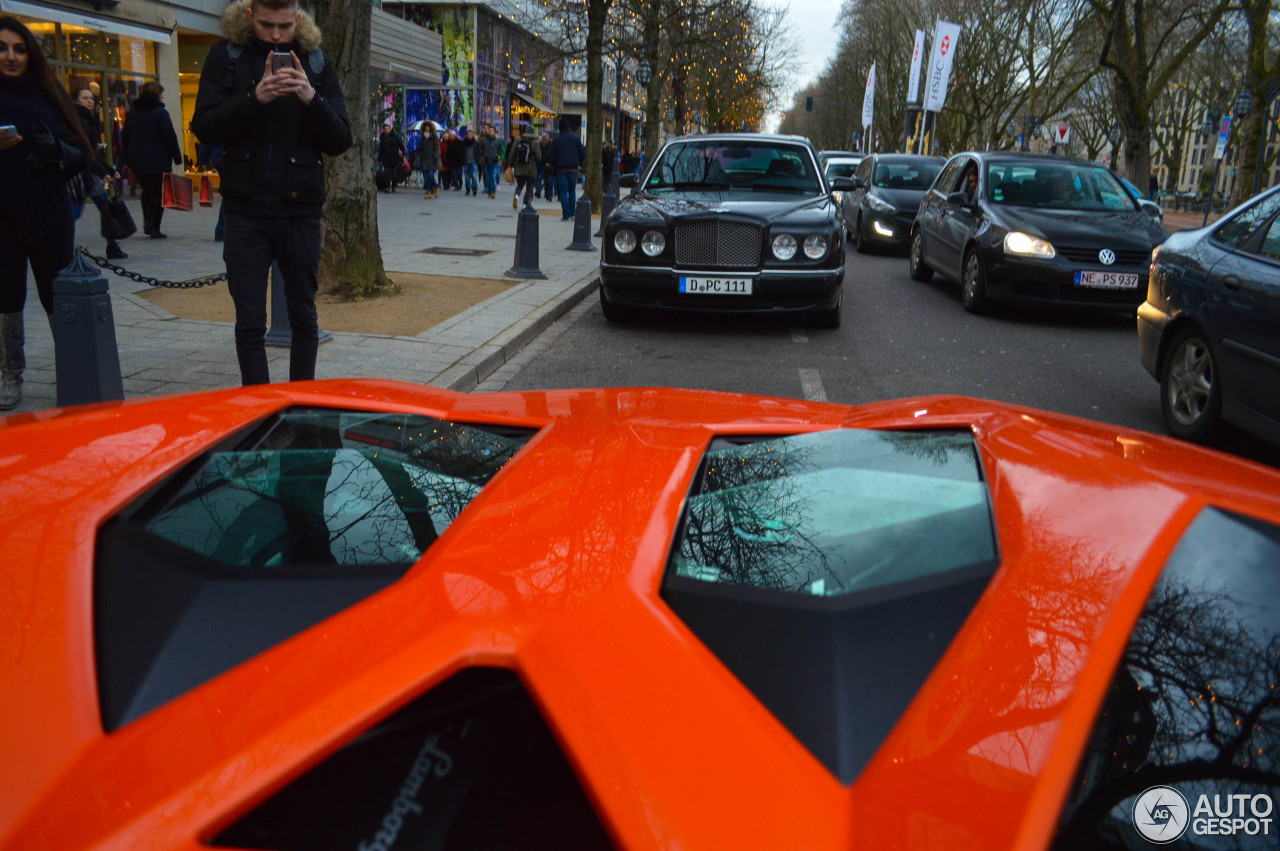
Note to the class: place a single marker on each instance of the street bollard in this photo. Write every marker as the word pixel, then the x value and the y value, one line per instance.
pixel 526 260
pixel 582 226
pixel 84 336
pixel 280 334
pixel 607 204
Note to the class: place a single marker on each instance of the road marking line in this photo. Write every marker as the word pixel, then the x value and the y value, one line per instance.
pixel 798 335
pixel 811 385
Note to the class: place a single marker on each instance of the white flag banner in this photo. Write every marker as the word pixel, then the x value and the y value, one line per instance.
pixel 869 99
pixel 913 81
pixel 945 39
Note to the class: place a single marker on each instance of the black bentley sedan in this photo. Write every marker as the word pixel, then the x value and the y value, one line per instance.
pixel 741 223
pixel 1035 229
pixel 887 191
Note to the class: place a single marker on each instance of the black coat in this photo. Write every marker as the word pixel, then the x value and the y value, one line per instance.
pixel 32 201
pixel 92 128
pixel 271 165
pixel 149 143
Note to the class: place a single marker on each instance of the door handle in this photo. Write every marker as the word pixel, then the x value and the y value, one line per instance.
pixel 1231 282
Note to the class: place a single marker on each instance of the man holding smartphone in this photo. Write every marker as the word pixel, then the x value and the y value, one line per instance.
pixel 270 96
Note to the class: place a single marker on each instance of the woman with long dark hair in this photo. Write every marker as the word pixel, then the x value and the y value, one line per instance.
pixel 42 148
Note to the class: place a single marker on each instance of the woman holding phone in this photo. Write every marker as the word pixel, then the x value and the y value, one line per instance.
pixel 41 148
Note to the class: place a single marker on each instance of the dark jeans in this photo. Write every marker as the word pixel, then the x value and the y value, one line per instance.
pixel 568 192
pixel 525 183
pixel 49 254
pixel 152 211
pixel 251 244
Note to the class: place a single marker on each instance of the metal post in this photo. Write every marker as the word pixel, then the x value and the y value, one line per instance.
pixel 280 334
pixel 84 336
pixel 526 259
pixel 582 226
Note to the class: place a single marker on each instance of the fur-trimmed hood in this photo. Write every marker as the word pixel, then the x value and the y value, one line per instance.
pixel 238 29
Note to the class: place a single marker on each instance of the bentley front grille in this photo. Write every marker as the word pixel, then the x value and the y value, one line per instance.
pixel 714 243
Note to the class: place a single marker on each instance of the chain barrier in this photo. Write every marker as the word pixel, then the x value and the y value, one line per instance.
pixel 192 284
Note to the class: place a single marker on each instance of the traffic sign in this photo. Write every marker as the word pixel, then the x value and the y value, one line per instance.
pixel 1062 133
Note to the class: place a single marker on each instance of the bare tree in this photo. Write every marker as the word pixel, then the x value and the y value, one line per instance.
pixel 1261 80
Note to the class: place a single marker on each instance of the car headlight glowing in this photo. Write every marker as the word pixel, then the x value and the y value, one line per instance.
pixel 880 205
pixel 653 244
pixel 624 241
pixel 815 246
pixel 1016 242
pixel 784 246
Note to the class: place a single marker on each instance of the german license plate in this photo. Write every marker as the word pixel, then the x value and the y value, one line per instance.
pixel 1107 280
pixel 716 286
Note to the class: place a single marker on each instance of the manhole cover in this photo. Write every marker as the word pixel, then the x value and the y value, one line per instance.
pixel 498 235
pixel 456 252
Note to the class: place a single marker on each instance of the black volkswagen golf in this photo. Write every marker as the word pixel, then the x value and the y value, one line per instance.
pixel 1035 229
pixel 741 223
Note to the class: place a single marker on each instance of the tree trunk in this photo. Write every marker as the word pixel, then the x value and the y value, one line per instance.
pixel 351 254
pixel 1258 80
pixel 597 13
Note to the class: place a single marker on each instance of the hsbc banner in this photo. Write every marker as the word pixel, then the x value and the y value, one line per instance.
pixel 913 80
pixel 869 99
pixel 945 39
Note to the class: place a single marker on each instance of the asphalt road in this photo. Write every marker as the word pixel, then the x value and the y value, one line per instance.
pixel 899 338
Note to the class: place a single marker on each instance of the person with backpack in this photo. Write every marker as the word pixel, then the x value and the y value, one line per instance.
pixel 523 156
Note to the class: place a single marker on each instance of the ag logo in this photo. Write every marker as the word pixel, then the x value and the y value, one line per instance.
pixel 1106 257
pixel 1160 814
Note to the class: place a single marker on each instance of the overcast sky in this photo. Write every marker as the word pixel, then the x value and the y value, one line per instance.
pixel 814 25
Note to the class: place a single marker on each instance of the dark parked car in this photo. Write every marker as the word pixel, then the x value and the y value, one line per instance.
pixel 729 223
pixel 1210 327
pixel 882 206
pixel 1035 229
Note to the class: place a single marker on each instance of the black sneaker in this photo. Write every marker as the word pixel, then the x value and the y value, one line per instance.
pixel 115 253
pixel 155 234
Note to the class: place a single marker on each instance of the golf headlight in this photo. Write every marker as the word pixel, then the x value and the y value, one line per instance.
pixel 1016 242
pixel 784 246
pixel 624 241
pixel 653 243
pixel 815 247
pixel 880 205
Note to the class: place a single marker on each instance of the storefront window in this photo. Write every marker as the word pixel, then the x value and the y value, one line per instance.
pixel 130 54
pixel 81 46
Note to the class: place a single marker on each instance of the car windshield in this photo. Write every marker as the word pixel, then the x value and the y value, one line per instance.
pixel 727 165
pixel 909 175
pixel 1057 185
pixel 840 168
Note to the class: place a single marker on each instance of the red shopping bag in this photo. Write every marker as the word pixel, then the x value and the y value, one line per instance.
pixel 206 191
pixel 175 192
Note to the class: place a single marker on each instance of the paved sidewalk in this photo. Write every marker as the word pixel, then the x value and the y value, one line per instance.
pixel 161 353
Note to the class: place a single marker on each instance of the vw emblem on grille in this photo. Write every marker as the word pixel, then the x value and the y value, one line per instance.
pixel 1106 257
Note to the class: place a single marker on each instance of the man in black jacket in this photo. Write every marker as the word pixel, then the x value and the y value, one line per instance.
pixel 275 117
pixel 150 148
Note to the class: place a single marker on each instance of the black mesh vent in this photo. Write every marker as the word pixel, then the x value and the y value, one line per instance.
pixel 470 765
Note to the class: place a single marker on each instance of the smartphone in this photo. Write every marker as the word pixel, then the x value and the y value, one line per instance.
pixel 8 132
pixel 280 60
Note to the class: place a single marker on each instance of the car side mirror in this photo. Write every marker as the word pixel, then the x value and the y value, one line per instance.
pixel 859 183
pixel 960 199
pixel 1152 209
pixel 627 181
pixel 844 184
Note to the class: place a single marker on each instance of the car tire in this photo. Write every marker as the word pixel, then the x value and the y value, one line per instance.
pixel 919 271
pixel 973 286
pixel 613 312
pixel 1190 392
pixel 828 319
pixel 859 241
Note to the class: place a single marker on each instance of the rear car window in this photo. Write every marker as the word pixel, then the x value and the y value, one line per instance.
pixel 284 524
pixel 1186 748
pixel 1242 225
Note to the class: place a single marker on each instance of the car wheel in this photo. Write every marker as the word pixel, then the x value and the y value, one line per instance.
pixel 973 292
pixel 1190 395
pixel 919 271
pixel 859 241
pixel 613 312
pixel 829 318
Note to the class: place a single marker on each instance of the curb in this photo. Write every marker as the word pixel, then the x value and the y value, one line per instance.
pixel 503 346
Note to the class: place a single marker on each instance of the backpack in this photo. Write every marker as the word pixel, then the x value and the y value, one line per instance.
pixel 524 152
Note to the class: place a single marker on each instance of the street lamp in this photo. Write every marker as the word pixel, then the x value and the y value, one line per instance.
pixel 1244 103
pixel 644 74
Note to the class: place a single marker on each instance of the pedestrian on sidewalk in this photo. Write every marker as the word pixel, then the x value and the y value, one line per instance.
pixel 545 177
pixel 151 150
pixel 608 159
pixel 470 160
pixel 37 166
pixel 567 157
pixel 522 157
pixel 391 156
pixel 276 125
pixel 446 170
pixel 491 154
pixel 429 161
pixel 457 158
pixel 87 112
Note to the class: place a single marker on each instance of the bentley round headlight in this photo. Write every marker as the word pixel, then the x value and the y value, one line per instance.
pixel 653 244
pixel 784 246
pixel 815 246
pixel 624 241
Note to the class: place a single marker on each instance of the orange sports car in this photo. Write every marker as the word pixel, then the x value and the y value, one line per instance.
pixel 376 615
